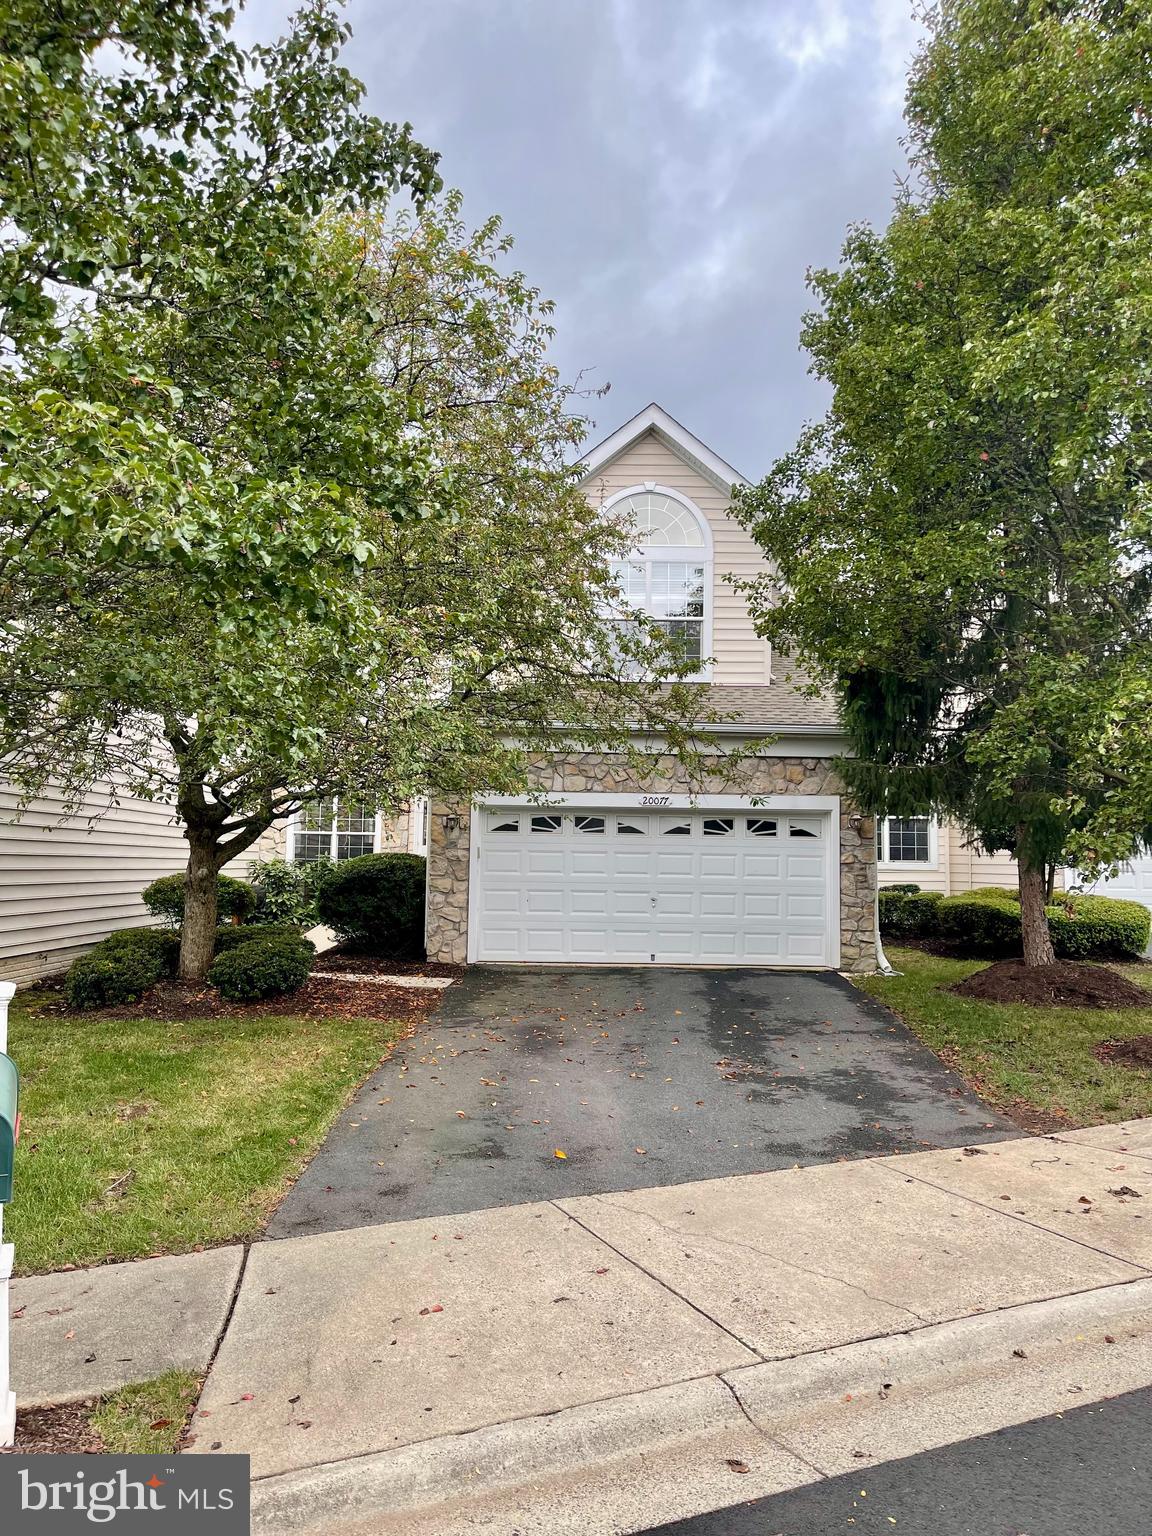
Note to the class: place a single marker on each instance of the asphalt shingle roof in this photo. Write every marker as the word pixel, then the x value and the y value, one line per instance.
pixel 771 705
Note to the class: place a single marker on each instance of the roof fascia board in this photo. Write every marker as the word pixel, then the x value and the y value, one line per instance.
pixel 684 444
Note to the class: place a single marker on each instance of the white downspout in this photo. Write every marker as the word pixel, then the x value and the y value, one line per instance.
pixel 882 964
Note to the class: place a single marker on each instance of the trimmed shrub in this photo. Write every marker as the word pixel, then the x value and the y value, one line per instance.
pixel 231 937
pixel 106 976
pixel 377 903
pixel 161 942
pixel 165 898
pixel 264 967
pixel 907 912
pixel 986 922
pixel 286 892
pixel 1086 927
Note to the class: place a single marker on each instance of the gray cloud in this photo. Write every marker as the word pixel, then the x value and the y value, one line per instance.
pixel 669 169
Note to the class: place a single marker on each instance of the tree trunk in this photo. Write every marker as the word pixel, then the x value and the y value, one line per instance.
pixel 1033 919
pixel 198 933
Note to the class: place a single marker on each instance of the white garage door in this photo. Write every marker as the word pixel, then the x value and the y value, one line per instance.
pixel 1132 883
pixel 599 885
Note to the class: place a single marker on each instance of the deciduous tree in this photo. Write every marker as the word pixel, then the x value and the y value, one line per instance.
pixel 963 544
pixel 468 633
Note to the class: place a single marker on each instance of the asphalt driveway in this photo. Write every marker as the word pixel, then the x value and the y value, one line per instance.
pixel 639 1077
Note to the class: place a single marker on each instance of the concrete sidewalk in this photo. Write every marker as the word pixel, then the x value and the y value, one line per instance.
pixel 84 1332
pixel 606 1362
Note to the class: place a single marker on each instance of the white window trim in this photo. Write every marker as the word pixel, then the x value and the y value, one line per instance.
pixel 668 552
pixel 931 862
pixel 294 827
pixel 419 815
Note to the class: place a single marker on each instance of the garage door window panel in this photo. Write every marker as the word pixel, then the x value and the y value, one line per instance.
pixel 631 826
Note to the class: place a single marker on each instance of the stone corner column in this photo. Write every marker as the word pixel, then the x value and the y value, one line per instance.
pixel 857 894
pixel 449 849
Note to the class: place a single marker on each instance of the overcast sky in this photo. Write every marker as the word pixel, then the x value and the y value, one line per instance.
pixel 669 169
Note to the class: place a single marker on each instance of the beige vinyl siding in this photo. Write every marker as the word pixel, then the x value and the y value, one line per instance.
pixel 958 868
pixel 741 657
pixel 64 885
pixel 972 869
pixel 927 878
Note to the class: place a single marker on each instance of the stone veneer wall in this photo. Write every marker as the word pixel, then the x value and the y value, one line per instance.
pixel 448 848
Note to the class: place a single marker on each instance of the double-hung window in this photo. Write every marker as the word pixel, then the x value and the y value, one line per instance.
pixel 333 828
pixel 668 574
pixel 906 840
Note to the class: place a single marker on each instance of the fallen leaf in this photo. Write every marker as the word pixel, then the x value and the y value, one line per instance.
pixel 160 1424
pixel 557 1153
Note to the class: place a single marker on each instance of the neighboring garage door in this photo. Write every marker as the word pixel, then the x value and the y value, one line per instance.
pixel 603 885
pixel 1133 883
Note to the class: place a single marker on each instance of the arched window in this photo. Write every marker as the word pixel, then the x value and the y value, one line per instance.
pixel 669 574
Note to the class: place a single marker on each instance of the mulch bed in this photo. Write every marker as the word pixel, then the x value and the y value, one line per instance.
pixel 1067 984
pixel 1135 1053
pixel 65 1429
pixel 175 1001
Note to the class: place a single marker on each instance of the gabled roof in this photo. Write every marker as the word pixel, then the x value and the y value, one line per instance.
pixel 684 444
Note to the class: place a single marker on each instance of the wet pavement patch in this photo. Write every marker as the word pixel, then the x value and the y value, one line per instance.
pixel 534 1084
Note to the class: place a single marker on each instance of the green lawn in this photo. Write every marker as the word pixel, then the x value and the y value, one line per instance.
pixel 146 1419
pixel 141 1137
pixel 1035 1063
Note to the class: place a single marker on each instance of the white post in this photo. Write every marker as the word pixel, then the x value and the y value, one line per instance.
pixel 7 1396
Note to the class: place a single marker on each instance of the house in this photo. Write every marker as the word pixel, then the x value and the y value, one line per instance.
pixel 780 871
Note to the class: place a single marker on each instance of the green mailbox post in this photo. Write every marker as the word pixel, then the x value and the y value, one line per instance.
pixel 9 1123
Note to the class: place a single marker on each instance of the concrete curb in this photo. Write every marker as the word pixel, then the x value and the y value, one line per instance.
pixel 671 1452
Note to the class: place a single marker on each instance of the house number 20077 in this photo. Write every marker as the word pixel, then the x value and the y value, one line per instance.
pixel 656 800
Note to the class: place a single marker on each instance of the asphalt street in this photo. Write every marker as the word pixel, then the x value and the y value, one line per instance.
pixel 1087 1472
